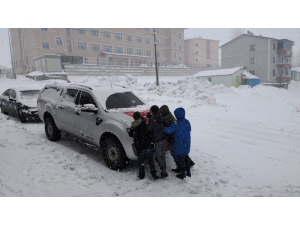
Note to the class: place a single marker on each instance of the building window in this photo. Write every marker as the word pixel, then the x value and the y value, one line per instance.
pixel 68 31
pixel 175 54
pixel 147 40
pixel 130 51
pixel 196 53
pixel 287 72
pixel 196 44
pixel 287 60
pixel 274 46
pixel 252 48
pixel 81 31
pixel 174 43
pixel 129 37
pixel 94 32
pixel 147 52
pixel 59 40
pixel 157 30
pixel 82 45
pixel 196 60
pixel 157 42
pixel 44 29
pixel 96 47
pixel 139 39
pixel 179 35
pixel 147 29
pixel 157 54
pixel 107 48
pixel 86 60
pixel 45 45
pixel 274 59
pixel 280 45
pixel 252 72
pixel 180 58
pixel 174 31
pixel 107 34
pixel 180 47
pixel 26 60
pixel 119 50
pixel 69 46
pixel 274 72
pixel 139 52
pixel 119 36
pixel 252 60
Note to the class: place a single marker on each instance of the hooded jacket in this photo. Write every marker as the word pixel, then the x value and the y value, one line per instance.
pixel 182 133
pixel 168 119
pixel 140 135
pixel 156 128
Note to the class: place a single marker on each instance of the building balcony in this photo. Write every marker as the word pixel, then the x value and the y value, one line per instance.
pixel 283 79
pixel 284 66
pixel 284 52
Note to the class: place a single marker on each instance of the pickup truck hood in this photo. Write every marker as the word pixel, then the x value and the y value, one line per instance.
pixel 124 117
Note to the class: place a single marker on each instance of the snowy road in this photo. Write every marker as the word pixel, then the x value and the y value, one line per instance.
pixel 245 142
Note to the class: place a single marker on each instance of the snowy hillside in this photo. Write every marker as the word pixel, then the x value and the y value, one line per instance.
pixel 245 142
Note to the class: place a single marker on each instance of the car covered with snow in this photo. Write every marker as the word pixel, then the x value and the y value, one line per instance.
pixel 96 114
pixel 20 102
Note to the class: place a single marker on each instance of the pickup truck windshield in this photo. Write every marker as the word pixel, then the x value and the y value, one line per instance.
pixel 122 100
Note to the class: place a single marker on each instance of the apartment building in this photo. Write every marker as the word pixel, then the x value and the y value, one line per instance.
pixel 104 46
pixel 201 52
pixel 265 57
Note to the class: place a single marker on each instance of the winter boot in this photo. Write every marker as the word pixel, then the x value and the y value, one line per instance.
pixel 181 175
pixel 176 170
pixel 153 173
pixel 164 174
pixel 188 173
pixel 192 163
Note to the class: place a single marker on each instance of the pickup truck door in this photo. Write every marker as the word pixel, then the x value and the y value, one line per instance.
pixel 66 110
pixel 86 120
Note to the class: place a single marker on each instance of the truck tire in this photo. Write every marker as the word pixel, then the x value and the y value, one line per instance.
pixel 114 154
pixel 51 130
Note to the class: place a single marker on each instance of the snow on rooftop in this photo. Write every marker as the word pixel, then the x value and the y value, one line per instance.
pixel 297 69
pixel 40 73
pixel 219 72
pixel 249 75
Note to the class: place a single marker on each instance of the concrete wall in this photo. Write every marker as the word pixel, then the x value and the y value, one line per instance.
pixel 121 71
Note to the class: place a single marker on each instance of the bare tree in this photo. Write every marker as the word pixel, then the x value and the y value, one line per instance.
pixel 235 32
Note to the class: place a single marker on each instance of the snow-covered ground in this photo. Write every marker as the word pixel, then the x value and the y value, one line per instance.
pixel 245 142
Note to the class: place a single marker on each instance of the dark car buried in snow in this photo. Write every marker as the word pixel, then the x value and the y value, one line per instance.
pixel 20 103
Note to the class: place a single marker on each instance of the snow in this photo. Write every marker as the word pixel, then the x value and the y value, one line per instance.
pixel 245 142
pixel 297 69
pixel 218 72
pixel 40 73
pixel 249 75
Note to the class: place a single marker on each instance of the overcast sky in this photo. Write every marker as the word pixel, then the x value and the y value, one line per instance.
pixel 215 19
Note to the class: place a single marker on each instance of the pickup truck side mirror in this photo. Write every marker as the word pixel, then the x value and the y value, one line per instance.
pixel 89 108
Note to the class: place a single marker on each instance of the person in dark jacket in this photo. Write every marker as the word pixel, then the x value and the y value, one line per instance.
pixel 142 143
pixel 182 142
pixel 156 129
pixel 168 119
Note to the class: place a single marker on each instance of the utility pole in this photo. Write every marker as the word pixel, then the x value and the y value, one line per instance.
pixel 156 69
pixel 281 71
pixel 12 65
pixel 22 53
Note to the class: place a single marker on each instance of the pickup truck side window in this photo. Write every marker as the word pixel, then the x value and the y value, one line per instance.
pixel 86 98
pixel 6 93
pixel 13 94
pixel 71 95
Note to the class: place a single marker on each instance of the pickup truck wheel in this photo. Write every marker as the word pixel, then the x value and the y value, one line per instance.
pixel 114 154
pixel 52 132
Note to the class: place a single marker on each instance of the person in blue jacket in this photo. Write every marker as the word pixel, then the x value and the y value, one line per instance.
pixel 182 142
